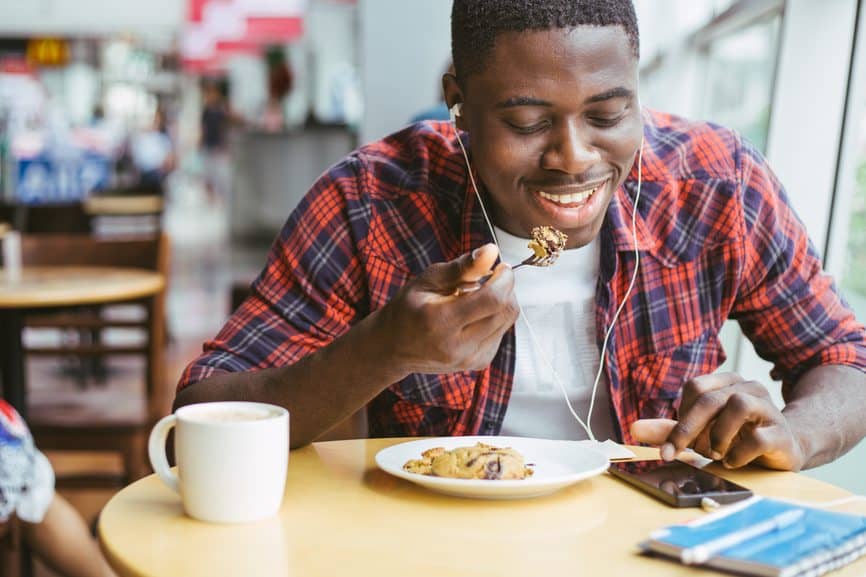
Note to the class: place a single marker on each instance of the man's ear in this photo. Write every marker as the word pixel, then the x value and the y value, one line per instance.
pixel 453 96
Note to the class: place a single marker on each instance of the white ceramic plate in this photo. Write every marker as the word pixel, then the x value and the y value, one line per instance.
pixel 557 464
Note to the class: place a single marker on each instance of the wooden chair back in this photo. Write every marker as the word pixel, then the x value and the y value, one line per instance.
pixel 55 218
pixel 147 252
pixel 125 213
pixel 91 429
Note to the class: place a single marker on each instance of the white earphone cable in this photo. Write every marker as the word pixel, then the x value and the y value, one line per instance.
pixel 475 187
pixel 585 425
pixel 630 284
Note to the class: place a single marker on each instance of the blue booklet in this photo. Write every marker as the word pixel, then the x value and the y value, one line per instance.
pixel 762 536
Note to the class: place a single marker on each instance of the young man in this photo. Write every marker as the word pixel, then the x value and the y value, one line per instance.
pixel 357 304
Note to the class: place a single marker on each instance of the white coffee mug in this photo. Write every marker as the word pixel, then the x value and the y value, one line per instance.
pixel 232 459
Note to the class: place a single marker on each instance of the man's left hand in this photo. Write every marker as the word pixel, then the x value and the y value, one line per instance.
pixel 729 419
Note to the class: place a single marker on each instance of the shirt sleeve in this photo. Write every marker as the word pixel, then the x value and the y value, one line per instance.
pixel 787 305
pixel 311 290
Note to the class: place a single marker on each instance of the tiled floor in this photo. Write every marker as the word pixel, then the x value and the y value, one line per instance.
pixel 204 266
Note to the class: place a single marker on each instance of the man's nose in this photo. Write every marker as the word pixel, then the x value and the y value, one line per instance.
pixel 569 150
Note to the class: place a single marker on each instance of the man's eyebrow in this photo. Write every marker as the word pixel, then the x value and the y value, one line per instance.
pixel 618 92
pixel 515 101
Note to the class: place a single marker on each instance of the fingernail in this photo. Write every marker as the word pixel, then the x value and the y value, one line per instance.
pixel 727 465
pixel 668 452
pixel 715 455
pixel 475 253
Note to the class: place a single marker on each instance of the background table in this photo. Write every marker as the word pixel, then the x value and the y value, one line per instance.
pixel 52 287
pixel 342 515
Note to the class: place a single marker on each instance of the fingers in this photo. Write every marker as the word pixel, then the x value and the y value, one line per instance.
pixel 447 333
pixel 655 432
pixel 741 410
pixel 479 263
pixel 704 398
pixel 467 268
pixel 751 443
pixel 702 445
pixel 769 442
pixel 487 348
pixel 438 299
pixel 473 272
pixel 727 419
pixel 471 349
pixel 498 301
pixel 695 388
pixel 652 431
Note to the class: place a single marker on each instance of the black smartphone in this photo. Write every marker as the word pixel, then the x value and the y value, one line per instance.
pixel 678 484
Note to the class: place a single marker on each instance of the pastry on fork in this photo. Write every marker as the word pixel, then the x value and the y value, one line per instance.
pixel 547 244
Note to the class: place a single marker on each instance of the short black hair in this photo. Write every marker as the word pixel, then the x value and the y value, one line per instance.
pixel 475 24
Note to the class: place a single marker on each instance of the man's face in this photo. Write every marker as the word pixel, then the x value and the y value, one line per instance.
pixel 554 122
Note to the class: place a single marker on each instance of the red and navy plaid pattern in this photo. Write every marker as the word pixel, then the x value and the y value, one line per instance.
pixel 717 238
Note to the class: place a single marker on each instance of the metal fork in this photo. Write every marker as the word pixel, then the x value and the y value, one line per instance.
pixel 531 260
pixel 535 260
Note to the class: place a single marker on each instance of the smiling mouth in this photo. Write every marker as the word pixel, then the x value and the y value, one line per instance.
pixel 572 198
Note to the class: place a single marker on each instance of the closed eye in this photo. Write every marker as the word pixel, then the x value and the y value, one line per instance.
pixel 528 129
pixel 606 121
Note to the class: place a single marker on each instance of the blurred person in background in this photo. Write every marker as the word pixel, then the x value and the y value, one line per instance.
pixel 216 121
pixel 107 135
pixel 152 152
pixel 280 84
pixel 50 526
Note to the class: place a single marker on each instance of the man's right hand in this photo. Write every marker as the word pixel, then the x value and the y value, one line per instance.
pixel 433 330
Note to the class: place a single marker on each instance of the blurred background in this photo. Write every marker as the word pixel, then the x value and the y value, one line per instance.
pixel 207 120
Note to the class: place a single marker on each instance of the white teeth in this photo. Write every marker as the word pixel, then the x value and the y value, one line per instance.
pixel 574 198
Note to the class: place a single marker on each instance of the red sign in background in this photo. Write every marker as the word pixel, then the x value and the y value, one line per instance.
pixel 216 29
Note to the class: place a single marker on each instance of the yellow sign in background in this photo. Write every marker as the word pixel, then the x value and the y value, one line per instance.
pixel 47 52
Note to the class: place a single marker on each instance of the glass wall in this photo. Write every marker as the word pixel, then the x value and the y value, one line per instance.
pixel 818 118
pixel 854 266
pixel 847 243
pixel 740 72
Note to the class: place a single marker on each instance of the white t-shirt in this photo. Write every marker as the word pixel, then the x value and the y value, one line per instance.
pixel 559 304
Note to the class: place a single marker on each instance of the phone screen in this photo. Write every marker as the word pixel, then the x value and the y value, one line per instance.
pixel 678 483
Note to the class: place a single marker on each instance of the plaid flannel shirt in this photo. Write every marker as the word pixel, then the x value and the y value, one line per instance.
pixel 717 240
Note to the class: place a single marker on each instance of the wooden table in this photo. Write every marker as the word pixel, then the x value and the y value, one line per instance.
pixel 343 516
pixel 43 288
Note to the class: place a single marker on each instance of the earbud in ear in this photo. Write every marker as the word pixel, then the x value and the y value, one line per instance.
pixel 455 111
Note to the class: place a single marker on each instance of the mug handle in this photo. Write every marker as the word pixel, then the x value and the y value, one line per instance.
pixel 156 451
